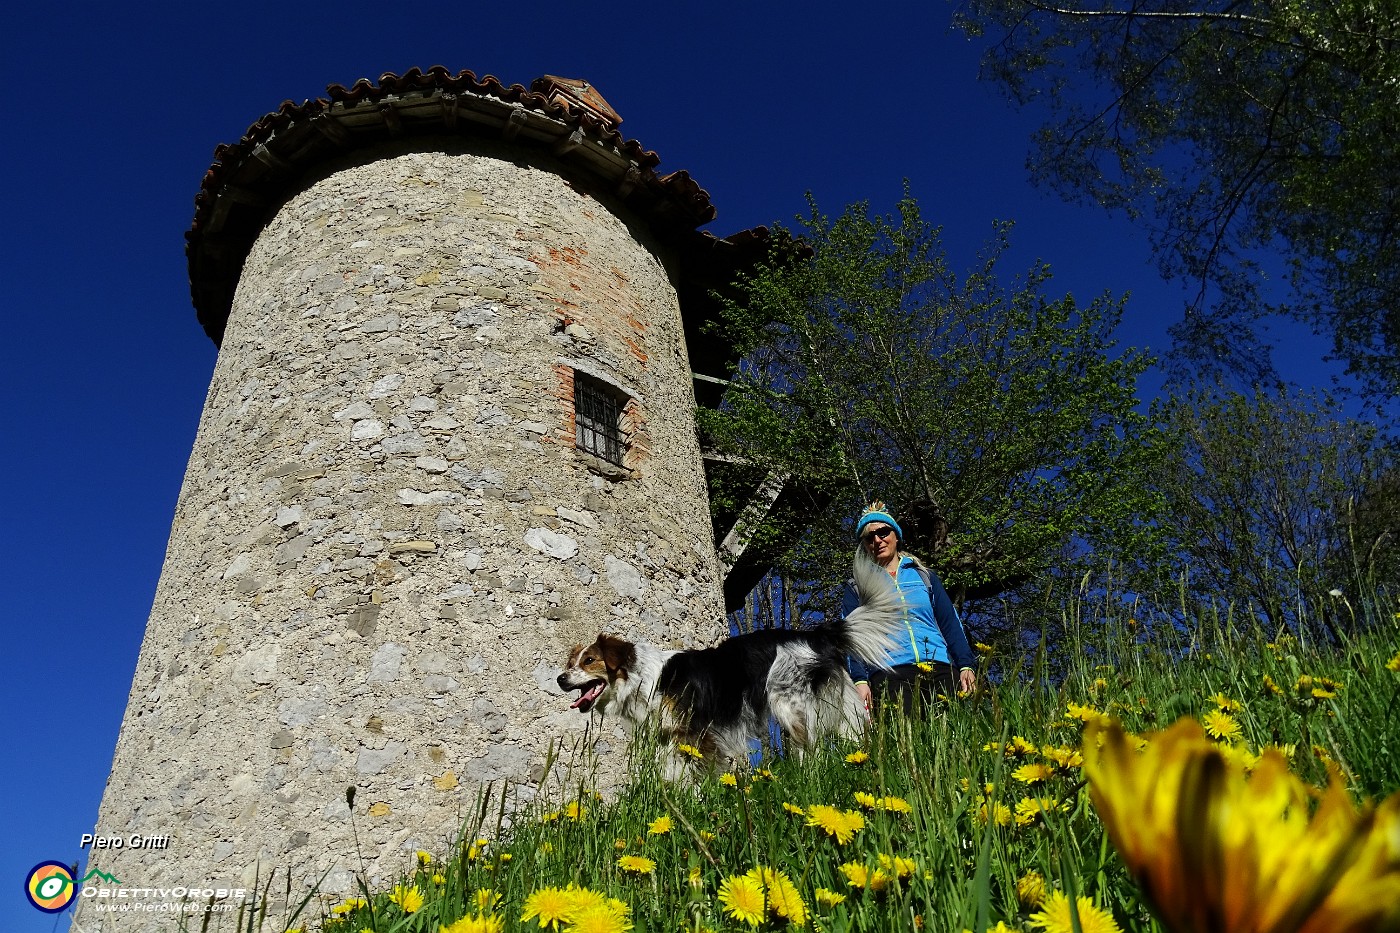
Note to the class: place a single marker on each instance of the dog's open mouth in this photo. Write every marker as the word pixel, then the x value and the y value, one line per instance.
pixel 588 695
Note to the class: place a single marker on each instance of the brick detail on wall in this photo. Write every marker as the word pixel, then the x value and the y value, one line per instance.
pixel 633 423
pixel 564 395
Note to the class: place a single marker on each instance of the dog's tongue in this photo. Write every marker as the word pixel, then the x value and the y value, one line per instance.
pixel 588 696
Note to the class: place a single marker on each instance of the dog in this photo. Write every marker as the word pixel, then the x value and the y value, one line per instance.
pixel 716 700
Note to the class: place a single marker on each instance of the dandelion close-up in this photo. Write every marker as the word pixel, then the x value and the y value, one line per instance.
pixel 1216 848
pixel 860 758
pixel 1221 725
pixel 607 917
pixel 742 898
pixel 1032 810
pixel 636 864
pixel 1222 702
pixel 1033 773
pixel 828 898
pixel 407 897
pixel 842 825
pixel 1031 890
pixel 659 826
pixel 479 923
pixel 1054 916
pixel 1062 757
pixel 783 898
pixel 550 906
pixel 993 811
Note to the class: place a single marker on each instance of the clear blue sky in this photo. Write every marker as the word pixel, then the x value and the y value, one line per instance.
pixel 114 112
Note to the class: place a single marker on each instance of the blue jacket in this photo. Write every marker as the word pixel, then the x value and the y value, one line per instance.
pixel 948 635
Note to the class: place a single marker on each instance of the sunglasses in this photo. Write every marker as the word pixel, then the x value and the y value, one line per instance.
pixel 878 533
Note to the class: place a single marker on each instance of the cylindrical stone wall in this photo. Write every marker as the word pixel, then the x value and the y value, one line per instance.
pixel 386 539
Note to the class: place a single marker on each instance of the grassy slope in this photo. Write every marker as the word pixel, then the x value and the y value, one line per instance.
pixel 939 764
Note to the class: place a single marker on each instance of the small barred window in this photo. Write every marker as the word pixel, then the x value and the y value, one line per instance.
pixel 598 420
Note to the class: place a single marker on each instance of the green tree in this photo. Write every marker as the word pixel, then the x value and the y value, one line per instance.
pixel 1000 424
pixel 1237 130
pixel 1260 504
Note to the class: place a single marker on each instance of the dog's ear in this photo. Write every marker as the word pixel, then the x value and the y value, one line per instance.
pixel 618 655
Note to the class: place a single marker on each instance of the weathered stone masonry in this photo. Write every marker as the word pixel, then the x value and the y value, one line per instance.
pixel 386 539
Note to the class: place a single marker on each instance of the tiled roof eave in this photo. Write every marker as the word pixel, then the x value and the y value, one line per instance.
pixel 250 177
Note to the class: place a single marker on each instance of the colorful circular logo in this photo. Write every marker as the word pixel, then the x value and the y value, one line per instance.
pixel 49 886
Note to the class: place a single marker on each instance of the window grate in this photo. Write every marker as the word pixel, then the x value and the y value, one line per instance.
pixel 598 421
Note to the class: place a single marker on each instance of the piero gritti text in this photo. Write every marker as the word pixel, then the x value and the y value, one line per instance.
pixel 134 841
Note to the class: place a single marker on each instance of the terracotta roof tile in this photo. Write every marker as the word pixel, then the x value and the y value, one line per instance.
pixel 250 177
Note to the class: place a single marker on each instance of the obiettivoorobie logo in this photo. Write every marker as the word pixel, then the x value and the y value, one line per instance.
pixel 50 886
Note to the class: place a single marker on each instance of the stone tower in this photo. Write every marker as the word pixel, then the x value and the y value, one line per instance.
pixel 450 433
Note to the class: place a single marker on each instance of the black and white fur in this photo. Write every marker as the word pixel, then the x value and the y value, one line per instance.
pixel 716 699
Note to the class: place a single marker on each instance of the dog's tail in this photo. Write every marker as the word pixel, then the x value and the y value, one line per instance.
pixel 869 631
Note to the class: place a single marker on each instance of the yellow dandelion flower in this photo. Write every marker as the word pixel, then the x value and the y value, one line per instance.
pixel 1062 757
pixel 505 857
pixel 763 774
pixel 706 835
pixel 1031 810
pixel 659 826
pixel 1213 847
pixel 1394 663
pixel 690 750
pixel 1085 714
pixel 1055 916
pixel 487 923
pixel 993 811
pixel 924 666
pixel 552 906
pixel 981 647
pixel 636 864
pixel 1001 927
pixel 439 878
pixel 407 896
pixel 742 898
pixel 424 858
pixel 840 824
pixel 783 898
pixel 1222 702
pixel 349 904
pixel 728 779
pixel 1322 693
pixel 1271 687
pixel 576 811
pixel 827 898
pixel 584 898
pixel 857 875
pixel 600 918
pixel 486 899
pixel 864 799
pixel 794 808
pixel 1021 746
pixel 860 758
pixel 1221 725
pixel 897 866
pixel 893 805
pixel 546 847
pixel 619 844
pixel 1031 890
pixel 1034 773
pixel 692 877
